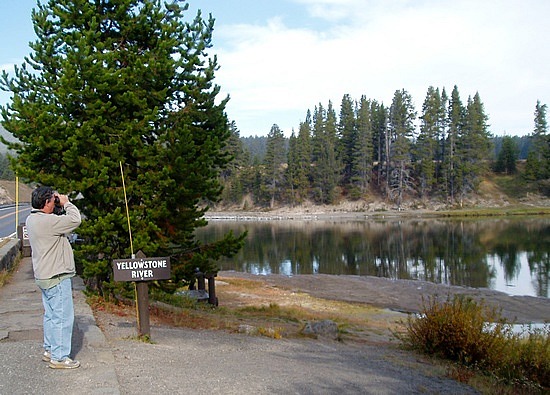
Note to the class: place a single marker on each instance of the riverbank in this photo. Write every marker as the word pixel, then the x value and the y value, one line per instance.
pixel 360 210
pixel 495 195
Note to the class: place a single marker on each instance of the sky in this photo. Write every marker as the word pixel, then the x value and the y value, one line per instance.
pixel 280 58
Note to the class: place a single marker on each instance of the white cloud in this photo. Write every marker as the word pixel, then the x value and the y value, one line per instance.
pixel 276 69
pixel 275 73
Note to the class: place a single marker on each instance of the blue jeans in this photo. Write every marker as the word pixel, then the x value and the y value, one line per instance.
pixel 58 319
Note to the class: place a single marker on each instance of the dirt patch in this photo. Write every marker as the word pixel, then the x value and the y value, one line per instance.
pixel 404 296
pixel 357 321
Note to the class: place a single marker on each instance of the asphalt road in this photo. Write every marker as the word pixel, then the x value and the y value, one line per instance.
pixel 8 226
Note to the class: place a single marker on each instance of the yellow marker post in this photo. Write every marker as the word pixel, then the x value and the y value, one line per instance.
pixel 17 205
pixel 127 211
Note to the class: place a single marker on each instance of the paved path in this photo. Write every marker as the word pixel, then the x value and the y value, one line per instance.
pixel 182 361
pixel 21 369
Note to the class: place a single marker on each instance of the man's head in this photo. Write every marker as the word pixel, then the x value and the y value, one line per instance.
pixel 41 196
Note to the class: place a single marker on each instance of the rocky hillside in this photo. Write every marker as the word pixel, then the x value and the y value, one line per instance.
pixel 8 192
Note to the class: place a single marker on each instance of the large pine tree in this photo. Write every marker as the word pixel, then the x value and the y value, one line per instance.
pixel 475 145
pixel 275 158
pixel 326 168
pixel 299 162
pixel 507 156
pixel 347 132
pixel 233 188
pixel 401 129
pixel 379 115
pixel 427 143
pixel 362 152
pixel 124 85
pixel 538 160
pixel 455 123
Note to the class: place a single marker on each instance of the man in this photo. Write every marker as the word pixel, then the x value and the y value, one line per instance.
pixel 53 265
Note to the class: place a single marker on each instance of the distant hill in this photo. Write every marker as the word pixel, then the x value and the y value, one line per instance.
pixel 8 192
pixel 8 136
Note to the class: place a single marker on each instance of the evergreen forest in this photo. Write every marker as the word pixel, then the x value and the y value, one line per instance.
pixel 365 148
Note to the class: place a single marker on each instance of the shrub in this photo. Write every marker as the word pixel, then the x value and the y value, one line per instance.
pixel 530 357
pixel 463 330
pixel 457 330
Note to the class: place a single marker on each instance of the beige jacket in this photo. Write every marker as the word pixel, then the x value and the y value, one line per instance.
pixel 52 253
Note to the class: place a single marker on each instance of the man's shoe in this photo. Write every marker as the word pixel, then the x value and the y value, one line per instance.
pixel 47 356
pixel 67 363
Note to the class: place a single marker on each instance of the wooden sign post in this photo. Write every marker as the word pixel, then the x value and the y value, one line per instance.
pixel 142 304
pixel 140 270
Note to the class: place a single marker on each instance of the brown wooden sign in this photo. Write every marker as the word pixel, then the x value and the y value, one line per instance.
pixel 141 269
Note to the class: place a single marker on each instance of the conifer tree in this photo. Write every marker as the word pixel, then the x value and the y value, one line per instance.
pixel 474 145
pixel 347 138
pixel 304 148
pixel 299 161
pixel 507 156
pixel 379 115
pixel 441 149
pixel 431 128
pixel 325 163
pixel 538 160
pixel 275 159
pixel 362 152
pixel 455 123
pixel 401 128
pixel 292 166
pixel 231 175
pixel 126 84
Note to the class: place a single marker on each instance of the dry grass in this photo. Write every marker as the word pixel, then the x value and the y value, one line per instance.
pixel 273 311
pixel 4 273
pixel 263 304
pixel 4 276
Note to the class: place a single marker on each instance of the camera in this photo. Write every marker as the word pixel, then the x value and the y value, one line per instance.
pixel 58 209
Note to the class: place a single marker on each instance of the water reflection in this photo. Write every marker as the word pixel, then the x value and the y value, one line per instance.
pixel 507 254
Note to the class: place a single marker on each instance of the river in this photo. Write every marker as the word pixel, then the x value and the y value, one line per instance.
pixel 508 254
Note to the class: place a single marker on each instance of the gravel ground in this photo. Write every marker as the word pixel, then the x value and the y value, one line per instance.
pixel 204 362
pixel 179 360
pixel 208 361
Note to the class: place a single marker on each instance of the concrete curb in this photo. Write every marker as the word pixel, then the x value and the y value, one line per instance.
pixel 8 253
pixel 95 351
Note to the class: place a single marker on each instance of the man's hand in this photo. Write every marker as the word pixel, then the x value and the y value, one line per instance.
pixel 62 199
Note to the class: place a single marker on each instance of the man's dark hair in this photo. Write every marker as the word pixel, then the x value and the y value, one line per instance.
pixel 40 196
